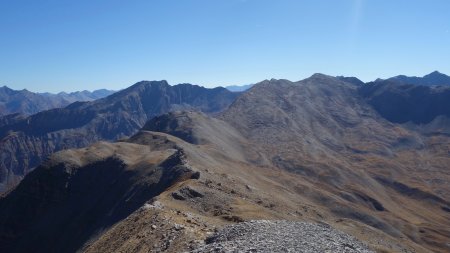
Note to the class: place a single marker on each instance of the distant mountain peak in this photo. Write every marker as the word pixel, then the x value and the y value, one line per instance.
pixel 239 88
pixel 320 75
pixel 153 82
pixel 434 78
pixel 27 102
pixel 4 87
pixel 435 74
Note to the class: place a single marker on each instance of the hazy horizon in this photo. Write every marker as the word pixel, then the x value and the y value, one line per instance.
pixel 56 46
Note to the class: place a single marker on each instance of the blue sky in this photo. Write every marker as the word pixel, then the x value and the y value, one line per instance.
pixel 75 45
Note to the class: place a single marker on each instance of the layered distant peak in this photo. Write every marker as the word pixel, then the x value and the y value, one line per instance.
pixel 156 97
pixel 5 89
pixel 434 78
pixel 319 76
pixel 239 88
pixel 436 74
pixel 84 95
pixel 27 102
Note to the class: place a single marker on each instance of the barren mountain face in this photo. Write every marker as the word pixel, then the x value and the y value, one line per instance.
pixel 366 168
pixel 313 151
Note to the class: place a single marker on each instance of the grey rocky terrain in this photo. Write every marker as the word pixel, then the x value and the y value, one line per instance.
pixel 281 236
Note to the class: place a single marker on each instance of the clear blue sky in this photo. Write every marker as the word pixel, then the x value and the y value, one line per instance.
pixel 75 45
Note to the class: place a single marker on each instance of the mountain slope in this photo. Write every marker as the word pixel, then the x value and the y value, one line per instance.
pixel 26 102
pixel 79 193
pixel 142 194
pixel 25 143
pixel 322 130
pixel 401 103
pixel 231 186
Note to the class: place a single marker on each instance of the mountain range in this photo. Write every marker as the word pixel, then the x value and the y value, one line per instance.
pixel 26 141
pixel 434 78
pixel 27 102
pixel 239 88
pixel 161 168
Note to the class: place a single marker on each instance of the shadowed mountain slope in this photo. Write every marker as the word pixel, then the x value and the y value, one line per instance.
pixel 401 103
pixel 25 142
pixel 79 193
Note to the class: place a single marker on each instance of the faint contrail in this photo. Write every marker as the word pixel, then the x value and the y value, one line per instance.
pixel 356 15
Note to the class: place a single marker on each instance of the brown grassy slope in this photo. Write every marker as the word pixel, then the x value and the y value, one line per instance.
pixel 234 189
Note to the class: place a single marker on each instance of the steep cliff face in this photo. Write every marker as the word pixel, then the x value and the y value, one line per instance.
pixel 26 142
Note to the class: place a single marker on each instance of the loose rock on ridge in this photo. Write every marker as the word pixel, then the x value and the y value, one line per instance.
pixel 281 236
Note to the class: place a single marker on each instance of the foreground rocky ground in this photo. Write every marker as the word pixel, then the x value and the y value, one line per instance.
pixel 281 236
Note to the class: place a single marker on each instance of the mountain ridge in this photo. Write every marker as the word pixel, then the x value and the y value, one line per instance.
pixel 82 123
pixel 27 102
pixel 434 78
